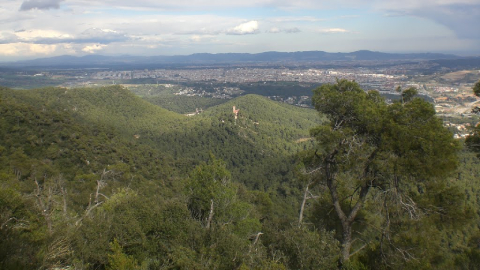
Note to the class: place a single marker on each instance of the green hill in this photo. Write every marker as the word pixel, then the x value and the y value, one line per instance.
pixel 40 143
pixel 254 146
pixel 113 106
pixel 270 120
pixel 258 146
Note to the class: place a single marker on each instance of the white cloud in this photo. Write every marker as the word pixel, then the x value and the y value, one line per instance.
pixel 35 34
pixel 201 31
pixel 93 48
pixel 196 38
pixel 42 48
pixel 250 27
pixel 98 35
pixel 276 30
pixel 91 35
pixel 296 19
pixel 333 31
pixel 11 49
pixel 26 49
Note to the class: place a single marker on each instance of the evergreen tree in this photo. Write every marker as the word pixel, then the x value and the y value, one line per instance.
pixel 373 155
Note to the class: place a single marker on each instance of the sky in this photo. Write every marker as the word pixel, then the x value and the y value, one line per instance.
pixel 43 28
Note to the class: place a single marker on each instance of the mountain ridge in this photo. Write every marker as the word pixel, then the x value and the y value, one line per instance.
pixel 223 58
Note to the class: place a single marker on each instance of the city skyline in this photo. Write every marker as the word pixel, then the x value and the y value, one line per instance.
pixel 43 28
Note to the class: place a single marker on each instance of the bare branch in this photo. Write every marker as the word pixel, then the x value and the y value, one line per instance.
pixel 257 238
pixel 358 250
pixel 87 213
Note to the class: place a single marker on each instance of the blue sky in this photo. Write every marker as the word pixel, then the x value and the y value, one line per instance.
pixel 44 28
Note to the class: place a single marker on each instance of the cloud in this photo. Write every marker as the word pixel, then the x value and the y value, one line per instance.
pixel 91 35
pixel 11 49
pixel 292 30
pixel 200 32
pixel 415 4
pixel 199 5
pixel 201 40
pixel 102 36
pixel 250 27
pixel 296 19
pixel 93 48
pixel 462 19
pixel 196 38
pixel 40 4
pixel 275 30
pixel 460 16
pixel 33 35
pixel 42 48
pixel 348 16
pixel 333 31
pixel 6 38
pixel 24 49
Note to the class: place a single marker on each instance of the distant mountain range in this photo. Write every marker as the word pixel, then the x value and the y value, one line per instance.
pixel 222 58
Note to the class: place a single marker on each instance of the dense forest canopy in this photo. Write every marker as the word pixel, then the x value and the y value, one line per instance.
pixel 104 179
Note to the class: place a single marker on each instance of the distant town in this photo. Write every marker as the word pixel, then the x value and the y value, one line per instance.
pixel 245 75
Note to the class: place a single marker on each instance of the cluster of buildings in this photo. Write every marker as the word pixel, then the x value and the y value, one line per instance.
pixel 219 92
pixel 369 78
pixel 302 101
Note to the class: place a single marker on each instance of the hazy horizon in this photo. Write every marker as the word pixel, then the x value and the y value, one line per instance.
pixel 173 55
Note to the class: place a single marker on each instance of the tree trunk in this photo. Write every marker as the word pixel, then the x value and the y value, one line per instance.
pixel 347 221
pixel 210 215
pixel 64 198
pixel 346 241
pixel 302 208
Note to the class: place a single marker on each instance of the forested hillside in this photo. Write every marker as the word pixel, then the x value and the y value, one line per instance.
pixel 264 136
pixel 100 178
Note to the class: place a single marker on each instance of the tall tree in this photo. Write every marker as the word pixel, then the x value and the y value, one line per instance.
pixel 210 191
pixel 369 148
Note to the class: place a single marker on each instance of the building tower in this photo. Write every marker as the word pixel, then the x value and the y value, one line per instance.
pixel 235 112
